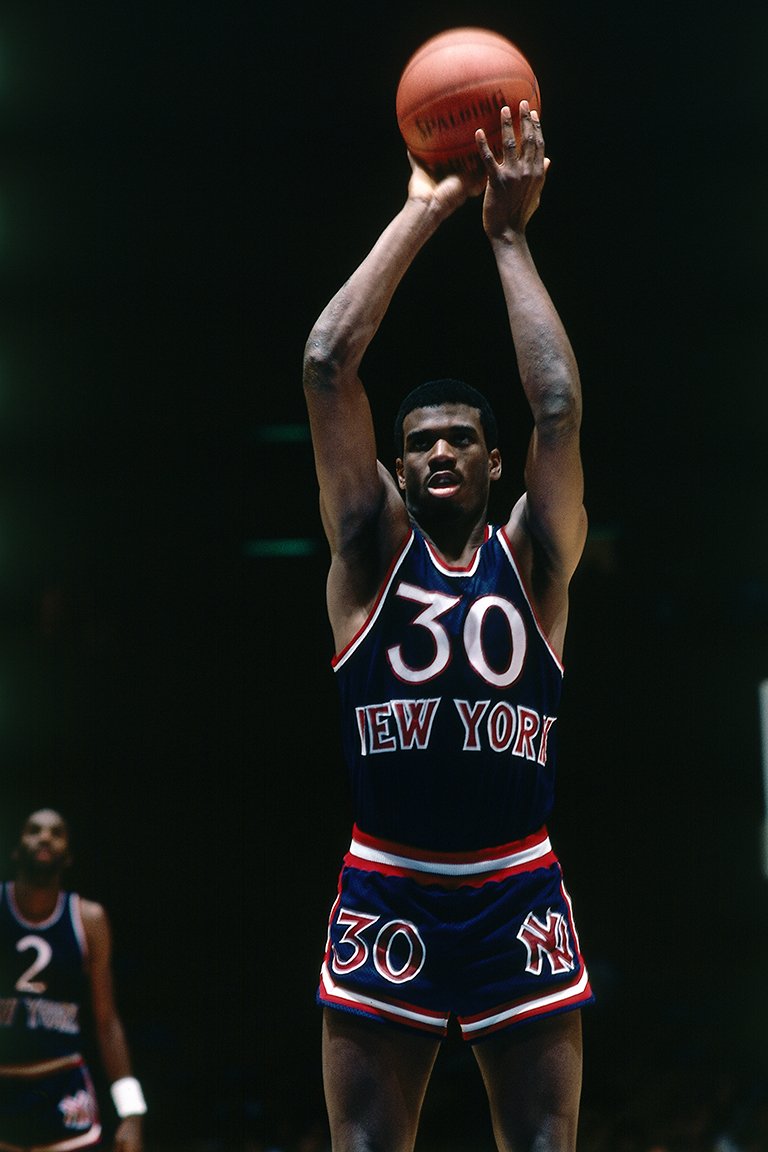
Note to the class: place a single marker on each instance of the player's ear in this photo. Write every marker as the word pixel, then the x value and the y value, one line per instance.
pixel 494 464
pixel 400 474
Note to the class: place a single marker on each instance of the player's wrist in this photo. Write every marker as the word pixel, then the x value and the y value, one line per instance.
pixel 423 217
pixel 507 236
pixel 128 1097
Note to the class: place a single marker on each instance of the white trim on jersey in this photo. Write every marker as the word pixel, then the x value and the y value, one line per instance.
pixel 342 656
pixel 40 925
pixel 507 547
pixel 75 911
pixel 455 570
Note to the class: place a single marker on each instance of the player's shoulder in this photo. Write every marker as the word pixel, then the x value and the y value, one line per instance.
pixel 392 512
pixel 517 530
pixel 92 914
pixel 369 543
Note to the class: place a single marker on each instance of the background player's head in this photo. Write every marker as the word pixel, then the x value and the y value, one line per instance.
pixel 43 848
pixel 433 394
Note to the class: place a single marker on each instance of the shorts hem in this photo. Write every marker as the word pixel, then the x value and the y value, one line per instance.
pixel 473 1029
pixel 330 994
pixel 543 1003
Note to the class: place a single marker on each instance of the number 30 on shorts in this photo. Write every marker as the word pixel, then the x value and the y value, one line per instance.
pixel 396 947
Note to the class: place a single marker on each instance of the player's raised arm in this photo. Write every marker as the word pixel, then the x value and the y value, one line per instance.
pixel 363 514
pixel 552 511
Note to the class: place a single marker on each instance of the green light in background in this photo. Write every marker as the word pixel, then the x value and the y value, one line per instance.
pixel 602 532
pixel 287 548
pixel 4 67
pixel 282 434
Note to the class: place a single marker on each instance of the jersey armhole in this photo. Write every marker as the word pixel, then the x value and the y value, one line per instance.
pixel 340 657
pixel 76 916
pixel 508 548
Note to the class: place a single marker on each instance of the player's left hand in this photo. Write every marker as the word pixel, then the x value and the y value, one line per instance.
pixel 514 185
pixel 129 1135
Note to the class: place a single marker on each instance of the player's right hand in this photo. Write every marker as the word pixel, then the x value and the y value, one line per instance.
pixel 447 194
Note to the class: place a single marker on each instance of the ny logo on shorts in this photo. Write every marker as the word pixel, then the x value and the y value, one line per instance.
pixel 548 938
pixel 78 1111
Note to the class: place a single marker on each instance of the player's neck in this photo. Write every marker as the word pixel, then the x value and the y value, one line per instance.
pixel 455 542
pixel 36 899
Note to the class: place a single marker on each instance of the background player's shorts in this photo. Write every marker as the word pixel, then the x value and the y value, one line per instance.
pixel 56 1111
pixel 488 937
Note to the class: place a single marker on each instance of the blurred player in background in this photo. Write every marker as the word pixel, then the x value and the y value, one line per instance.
pixel 55 961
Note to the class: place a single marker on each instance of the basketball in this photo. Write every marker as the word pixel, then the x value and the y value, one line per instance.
pixel 457 82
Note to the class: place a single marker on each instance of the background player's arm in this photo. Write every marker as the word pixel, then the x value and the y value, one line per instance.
pixel 363 513
pixel 549 523
pixel 110 1033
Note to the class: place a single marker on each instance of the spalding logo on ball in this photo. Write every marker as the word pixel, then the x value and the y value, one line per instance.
pixel 455 83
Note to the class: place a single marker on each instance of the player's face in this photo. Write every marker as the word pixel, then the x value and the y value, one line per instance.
pixel 43 847
pixel 446 465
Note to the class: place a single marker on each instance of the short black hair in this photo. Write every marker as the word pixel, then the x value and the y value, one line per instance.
pixel 433 393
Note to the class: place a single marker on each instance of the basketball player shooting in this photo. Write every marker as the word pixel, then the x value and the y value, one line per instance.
pixel 449 637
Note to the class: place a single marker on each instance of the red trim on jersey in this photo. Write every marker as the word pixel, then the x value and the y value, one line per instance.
pixel 512 555
pixel 457 569
pixel 341 655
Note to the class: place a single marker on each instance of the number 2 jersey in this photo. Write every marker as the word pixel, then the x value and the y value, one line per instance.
pixel 43 981
pixel 449 698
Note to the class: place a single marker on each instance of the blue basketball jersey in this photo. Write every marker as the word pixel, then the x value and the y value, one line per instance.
pixel 43 981
pixel 449 698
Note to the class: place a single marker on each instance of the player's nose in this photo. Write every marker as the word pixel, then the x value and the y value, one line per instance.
pixel 442 450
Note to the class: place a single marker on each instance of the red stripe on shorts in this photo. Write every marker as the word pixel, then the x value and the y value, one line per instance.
pixel 450 869
pixel 569 996
pixel 398 1011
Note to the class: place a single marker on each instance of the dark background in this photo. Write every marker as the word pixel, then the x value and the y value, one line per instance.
pixel 184 185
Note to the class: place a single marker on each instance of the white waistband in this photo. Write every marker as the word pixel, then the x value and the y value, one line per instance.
pixel 451 868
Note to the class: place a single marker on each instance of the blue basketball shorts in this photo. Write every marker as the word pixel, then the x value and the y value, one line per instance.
pixel 415 938
pixel 49 1112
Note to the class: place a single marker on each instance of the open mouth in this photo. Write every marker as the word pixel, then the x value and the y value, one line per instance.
pixel 443 483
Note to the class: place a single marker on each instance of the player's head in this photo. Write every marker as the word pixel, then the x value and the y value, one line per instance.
pixel 447 436
pixel 43 849
pixel 435 393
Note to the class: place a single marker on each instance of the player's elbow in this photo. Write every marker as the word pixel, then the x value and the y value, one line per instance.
pixel 558 407
pixel 321 361
pixel 331 353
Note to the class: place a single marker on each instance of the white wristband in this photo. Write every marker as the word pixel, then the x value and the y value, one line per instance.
pixel 128 1097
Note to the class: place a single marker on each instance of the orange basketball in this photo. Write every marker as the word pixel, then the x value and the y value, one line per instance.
pixel 456 82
